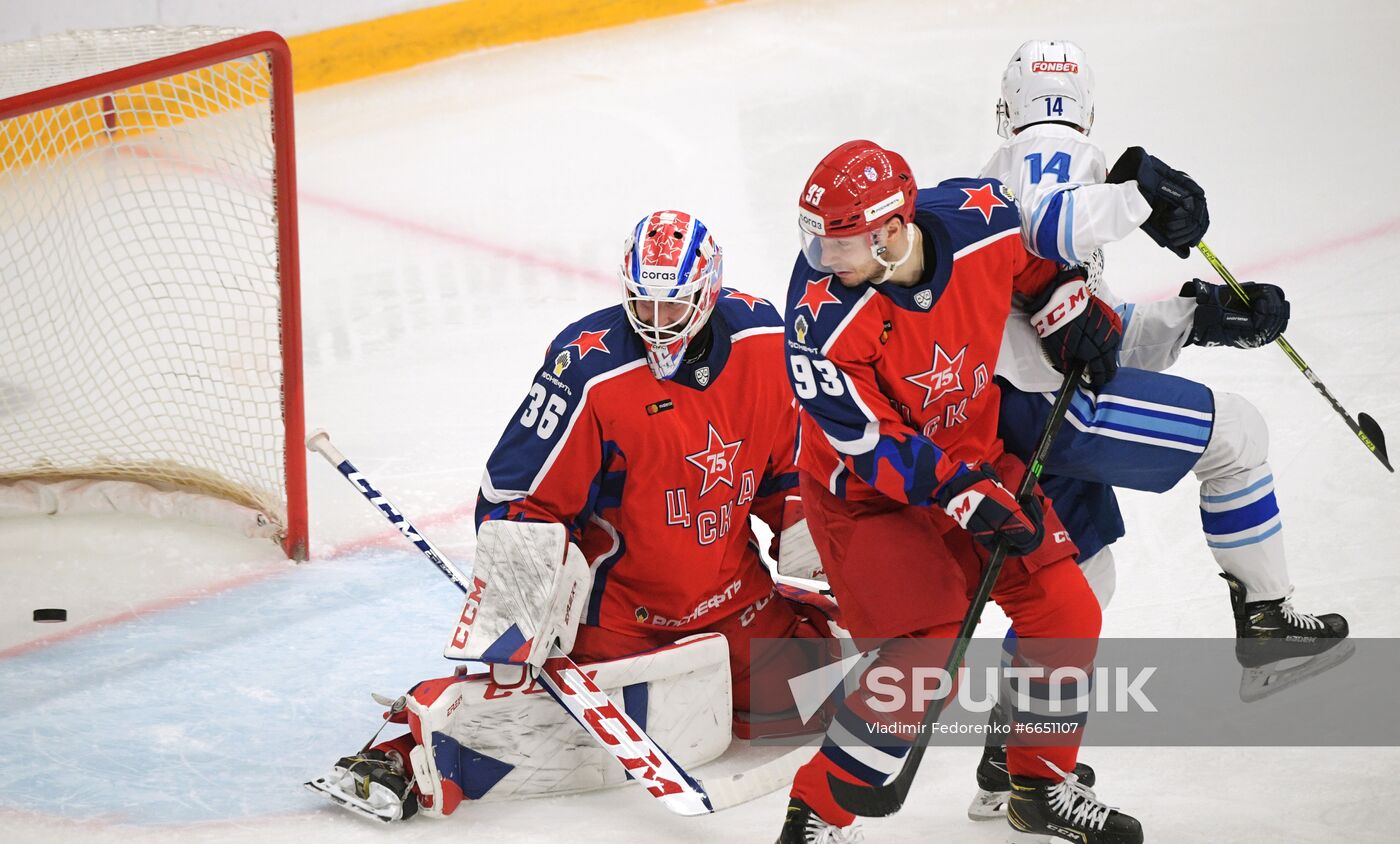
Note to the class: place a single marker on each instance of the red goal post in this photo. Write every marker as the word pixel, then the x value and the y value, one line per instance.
pixel 150 326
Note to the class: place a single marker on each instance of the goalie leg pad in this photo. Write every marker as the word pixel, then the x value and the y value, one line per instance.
pixel 490 741
pixel 529 588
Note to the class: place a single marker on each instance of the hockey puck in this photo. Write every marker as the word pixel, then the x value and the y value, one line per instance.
pixel 51 615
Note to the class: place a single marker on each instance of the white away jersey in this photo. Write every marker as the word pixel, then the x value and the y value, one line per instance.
pixel 1067 213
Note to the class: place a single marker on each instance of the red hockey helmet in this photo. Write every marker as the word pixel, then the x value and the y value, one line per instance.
pixel 855 189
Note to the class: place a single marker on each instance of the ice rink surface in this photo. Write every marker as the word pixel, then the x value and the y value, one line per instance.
pixel 456 216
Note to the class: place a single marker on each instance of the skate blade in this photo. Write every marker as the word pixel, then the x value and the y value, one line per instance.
pixel 321 785
pixel 1259 683
pixel 988 805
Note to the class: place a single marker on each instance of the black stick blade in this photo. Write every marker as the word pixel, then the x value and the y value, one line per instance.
pixel 867 801
pixel 1373 432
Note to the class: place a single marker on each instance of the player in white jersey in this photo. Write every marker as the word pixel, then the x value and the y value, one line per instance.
pixel 1135 427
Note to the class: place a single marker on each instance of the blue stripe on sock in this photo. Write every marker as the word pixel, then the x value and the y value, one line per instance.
pixel 1240 543
pixel 1231 496
pixel 1251 515
pixel 853 766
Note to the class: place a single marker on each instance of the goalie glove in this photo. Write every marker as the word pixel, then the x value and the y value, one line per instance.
pixel 529 589
pixel 1075 325
pixel 975 499
pixel 1224 319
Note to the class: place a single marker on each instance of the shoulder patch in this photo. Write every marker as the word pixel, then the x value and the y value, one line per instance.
pixel 743 311
pixel 590 341
pixel 599 342
pixel 817 295
pixel 971 210
pixel 983 200
pixel 748 299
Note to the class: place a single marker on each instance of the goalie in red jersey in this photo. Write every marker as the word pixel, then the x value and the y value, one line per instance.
pixel 894 323
pixel 616 507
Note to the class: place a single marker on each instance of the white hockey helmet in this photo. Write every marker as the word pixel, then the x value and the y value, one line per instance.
pixel 1046 81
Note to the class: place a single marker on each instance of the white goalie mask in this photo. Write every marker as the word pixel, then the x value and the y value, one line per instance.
pixel 671 272
pixel 1046 81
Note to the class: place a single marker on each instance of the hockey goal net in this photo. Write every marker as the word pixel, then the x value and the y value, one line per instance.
pixel 149 319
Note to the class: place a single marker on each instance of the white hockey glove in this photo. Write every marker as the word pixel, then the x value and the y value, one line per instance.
pixel 529 588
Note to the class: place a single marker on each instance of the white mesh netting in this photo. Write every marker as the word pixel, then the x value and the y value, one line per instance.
pixel 140 293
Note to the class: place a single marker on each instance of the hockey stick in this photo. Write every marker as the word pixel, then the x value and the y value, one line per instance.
pixel 881 800
pixel 1366 430
pixel 609 725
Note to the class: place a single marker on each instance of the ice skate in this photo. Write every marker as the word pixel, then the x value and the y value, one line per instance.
pixel 804 826
pixel 1049 812
pixel 369 784
pixel 1278 646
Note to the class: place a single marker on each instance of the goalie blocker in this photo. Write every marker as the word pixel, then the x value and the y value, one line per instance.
pixel 494 732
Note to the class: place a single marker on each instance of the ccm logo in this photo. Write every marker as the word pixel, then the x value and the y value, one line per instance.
pixel 464 624
pixel 1068 302
pixel 1054 67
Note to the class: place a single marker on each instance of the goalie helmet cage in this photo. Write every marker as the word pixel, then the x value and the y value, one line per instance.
pixel 149 293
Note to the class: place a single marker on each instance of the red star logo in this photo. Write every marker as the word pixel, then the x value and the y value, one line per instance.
pixel 945 376
pixel 982 199
pixel 817 294
pixel 746 298
pixel 716 461
pixel 587 341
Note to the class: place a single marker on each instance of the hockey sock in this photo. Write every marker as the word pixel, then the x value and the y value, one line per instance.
pixel 1244 531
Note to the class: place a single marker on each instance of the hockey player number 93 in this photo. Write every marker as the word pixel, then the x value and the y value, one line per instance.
pixel 549 418
pixel 805 379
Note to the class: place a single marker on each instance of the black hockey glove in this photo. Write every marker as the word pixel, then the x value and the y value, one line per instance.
pixel 1179 216
pixel 989 511
pixel 1075 325
pixel 1224 319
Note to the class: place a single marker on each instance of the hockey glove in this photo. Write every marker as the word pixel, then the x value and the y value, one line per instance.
pixel 1224 319
pixel 989 511
pixel 1075 325
pixel 1179 216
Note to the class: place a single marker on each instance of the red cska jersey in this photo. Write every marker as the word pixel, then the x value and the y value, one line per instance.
pixel 656 479
pixel 895 383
